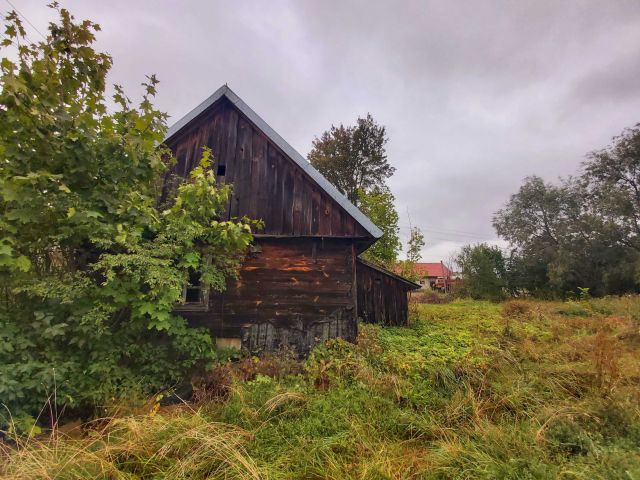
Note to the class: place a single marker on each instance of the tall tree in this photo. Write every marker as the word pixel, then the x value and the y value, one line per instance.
pixel 484 271
pixel 612 176
pixel 581 233
pixel 552 236
pixel 353 158
pixel 90 268
pixel 414 253
pixel 378 206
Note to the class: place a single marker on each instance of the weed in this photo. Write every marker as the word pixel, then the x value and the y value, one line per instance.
pixel 184 445
pixel 449 397
pixel 605 356
pixel 515 309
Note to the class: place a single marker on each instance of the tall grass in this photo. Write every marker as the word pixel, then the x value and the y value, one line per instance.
pixel 182 445
pixel 525 390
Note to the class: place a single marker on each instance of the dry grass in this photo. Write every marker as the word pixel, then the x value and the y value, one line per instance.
pixel 455 395
pixel 183 445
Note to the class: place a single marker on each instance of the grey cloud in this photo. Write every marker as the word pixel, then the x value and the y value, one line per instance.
pixel 617 81
pixel 475 95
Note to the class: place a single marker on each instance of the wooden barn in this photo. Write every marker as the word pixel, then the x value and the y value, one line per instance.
pixel 300 282
pixel 382 294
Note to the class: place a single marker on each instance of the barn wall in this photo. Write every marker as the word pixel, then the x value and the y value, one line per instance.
pixel 267 184
pixel 289 293
pixel 381 298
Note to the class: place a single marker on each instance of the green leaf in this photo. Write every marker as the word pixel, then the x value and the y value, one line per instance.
pixel 23 263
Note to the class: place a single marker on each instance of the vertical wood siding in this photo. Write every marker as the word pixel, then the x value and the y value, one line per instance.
pixel 267 184
pixel 382 298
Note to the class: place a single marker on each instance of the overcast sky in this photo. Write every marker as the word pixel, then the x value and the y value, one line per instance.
pixel 475 95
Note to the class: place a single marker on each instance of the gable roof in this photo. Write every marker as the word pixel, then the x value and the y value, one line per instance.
pixel 430 269
pixel 302 162
pixel 438 269
pixel 412 285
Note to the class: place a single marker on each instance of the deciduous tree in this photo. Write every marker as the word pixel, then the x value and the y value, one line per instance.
pixel 484 271
pixel 353 158
pixel 90 267
pixel 583 232
pixel 378 206
pixel 414 253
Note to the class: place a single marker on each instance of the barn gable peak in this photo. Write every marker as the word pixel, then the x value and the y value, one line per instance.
pixel 272 135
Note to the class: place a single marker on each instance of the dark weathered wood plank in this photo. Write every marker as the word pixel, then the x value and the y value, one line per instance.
pixel 273 219
pixel 381 298
pixel 259 192
pixel 279 191
pixel 240 175
pixel 285 287
pixel 315 211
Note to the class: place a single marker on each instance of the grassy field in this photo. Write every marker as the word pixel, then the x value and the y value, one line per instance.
pixel 522 390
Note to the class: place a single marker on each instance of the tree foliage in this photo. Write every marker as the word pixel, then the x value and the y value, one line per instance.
pixel 484 270
pixel 353 158
pixel 90 267
pixel 612 176
pixel 414 254
pixel 378 206
pixel 582 233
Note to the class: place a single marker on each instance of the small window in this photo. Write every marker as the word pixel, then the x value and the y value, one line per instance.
pixel 195 295
pixel 221 170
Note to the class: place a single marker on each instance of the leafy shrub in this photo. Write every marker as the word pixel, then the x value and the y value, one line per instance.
pixel 90 266
pixel 568 435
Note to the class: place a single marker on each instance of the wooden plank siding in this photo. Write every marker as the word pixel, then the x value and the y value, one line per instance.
pixel 382 295
pixel 267 184
pixel 291 293
pixel 302 282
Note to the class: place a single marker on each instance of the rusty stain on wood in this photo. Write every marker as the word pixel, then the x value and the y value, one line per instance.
pixel 306 233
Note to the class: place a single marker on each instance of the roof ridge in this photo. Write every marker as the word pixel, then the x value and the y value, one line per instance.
pixel 328 187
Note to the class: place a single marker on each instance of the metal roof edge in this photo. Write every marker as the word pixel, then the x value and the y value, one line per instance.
pixel 327 186
pixel 184 121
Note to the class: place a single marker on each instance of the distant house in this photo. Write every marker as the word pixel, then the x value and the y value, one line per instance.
pixel 435 276
pixel 302 279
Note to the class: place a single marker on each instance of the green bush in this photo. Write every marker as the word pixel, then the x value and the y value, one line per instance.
pixel 90 266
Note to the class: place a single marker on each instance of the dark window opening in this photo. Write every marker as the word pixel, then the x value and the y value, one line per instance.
pixel 222 169
pixel 193 289
pixel 195 295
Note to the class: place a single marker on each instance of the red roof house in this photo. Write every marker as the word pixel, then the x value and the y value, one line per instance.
pixel 434 275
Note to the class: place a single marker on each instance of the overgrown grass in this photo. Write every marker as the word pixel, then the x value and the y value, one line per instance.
pixel 523 390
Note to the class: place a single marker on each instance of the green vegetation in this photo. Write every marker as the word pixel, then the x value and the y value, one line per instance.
pixel 582 233
pixel 520 390
pixel 378 206
pixel 91 265
pixel 484 271
pixel 353 158
pixel 415 243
